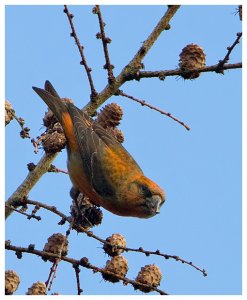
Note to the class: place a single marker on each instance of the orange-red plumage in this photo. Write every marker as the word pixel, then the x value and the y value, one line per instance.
pixel 99 166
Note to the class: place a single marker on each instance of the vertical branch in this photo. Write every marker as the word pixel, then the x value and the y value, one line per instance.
pixel 80 48
pixel 77 272
pixel 105 41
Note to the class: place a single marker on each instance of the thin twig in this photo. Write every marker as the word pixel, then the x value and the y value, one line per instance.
pixel 229 51
pixel 52 169
pixel 52 273
pixel 77 274
pixel 25 130
pixel 37 142
pixel 144 103
pixel 29 216
pixel 50 208
pixel 80 48
pixel 105 41
pixel 19 120
pixel 84 262
pixel 57 170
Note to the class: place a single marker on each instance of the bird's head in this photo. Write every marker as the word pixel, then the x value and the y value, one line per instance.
pixel 146 196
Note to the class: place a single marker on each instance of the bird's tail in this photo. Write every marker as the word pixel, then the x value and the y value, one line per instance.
pixel 52 99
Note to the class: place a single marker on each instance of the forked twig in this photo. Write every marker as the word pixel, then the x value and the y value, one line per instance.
pixel 229 51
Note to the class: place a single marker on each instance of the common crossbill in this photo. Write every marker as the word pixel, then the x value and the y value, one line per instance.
pixel 99 166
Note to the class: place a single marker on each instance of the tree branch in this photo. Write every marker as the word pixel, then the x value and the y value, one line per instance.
pixel 29 182
pixel 105 41
pixel 144 103
pixel 162 74
pixel 229 51
pixel 135 64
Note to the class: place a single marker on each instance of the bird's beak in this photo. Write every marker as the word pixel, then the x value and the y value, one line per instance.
pixel 157 201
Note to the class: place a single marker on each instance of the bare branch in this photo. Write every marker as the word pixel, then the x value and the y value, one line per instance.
pixel 144 103
pixel 227 57
pixel 162 74
pixel 105 41
pixel 29 216
pixel 54 169
pixel 77 274
pixel 80 48
pixel 52 274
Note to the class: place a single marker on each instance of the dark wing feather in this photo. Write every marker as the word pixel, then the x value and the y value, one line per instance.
pixel 93 140
pixel 49 88
pixel 90 146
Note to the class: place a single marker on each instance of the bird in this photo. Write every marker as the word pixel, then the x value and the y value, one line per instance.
pixel 99 166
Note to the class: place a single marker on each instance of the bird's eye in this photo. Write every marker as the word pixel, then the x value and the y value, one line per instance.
pixel 145 190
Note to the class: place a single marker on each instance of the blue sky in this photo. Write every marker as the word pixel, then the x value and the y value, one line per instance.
pixel 200 170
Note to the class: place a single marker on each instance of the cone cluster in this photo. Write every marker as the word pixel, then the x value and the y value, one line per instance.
pixel 117 264
pixel 192 57
pixel 38 288
pixel 57 244
pixel 151 275
pixel 12 282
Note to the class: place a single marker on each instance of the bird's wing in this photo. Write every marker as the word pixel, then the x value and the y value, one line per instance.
pixel 101 153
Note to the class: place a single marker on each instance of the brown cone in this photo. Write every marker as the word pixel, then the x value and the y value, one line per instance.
pixel 191 58
pixel 117 265
pixel 110 115
pixel 38 288
pixel 115 239
pixel 54 140
pixel 57 244
pixel 151 275
pixel 89 215
pixel 12 282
